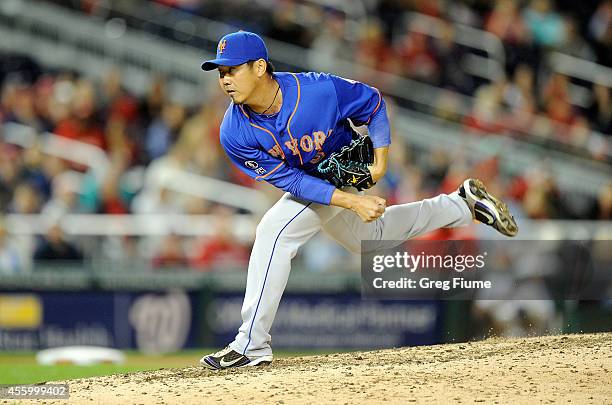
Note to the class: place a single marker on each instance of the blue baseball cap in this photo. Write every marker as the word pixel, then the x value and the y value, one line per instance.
pixel 237 48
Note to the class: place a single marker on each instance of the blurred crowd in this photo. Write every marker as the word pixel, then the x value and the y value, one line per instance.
pixel 579 29
pixel 527 99
pixel 142 138
pixel 145 136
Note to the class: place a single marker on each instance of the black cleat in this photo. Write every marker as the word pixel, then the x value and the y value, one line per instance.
pixel 486 208
pixel 229 358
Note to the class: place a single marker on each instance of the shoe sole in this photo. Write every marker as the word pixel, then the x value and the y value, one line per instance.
pixel 204 362
pixel 260 361
pixel 504 221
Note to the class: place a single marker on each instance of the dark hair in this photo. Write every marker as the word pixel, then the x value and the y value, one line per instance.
pixel 269 66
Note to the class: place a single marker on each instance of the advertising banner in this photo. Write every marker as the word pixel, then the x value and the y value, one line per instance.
pixel 150 322
pixel 306 321
pixel 161 322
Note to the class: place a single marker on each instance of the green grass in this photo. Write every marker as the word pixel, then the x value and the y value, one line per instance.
pixel 32 374
pixel 21 368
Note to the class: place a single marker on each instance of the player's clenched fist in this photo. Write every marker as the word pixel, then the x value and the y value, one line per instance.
pixel 369 207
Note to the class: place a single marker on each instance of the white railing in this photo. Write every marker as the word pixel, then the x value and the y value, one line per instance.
pixel 177 180
pixel 210 189
pixel 84 154
pixel 60 38
pixel 581 69
pixel 579 175
pixel 490 68
pixel 243 226
pixel 586 71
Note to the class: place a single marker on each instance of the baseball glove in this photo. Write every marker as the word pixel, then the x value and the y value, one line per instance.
pixel 349 166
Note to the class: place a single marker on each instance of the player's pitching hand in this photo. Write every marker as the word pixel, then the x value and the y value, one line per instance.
pixel 370 207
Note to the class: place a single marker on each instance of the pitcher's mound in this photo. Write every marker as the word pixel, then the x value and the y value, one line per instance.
pixel 576 368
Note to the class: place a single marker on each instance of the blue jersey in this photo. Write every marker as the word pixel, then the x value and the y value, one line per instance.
pixel 285 149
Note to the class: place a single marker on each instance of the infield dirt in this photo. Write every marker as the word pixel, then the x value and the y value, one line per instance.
pixel 553 369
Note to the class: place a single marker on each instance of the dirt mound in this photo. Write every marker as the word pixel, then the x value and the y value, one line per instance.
pixel 576 368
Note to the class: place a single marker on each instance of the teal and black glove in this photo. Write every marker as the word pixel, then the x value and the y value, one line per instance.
pixel 349 166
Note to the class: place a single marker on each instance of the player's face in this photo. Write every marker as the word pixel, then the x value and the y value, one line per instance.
pixel 237 82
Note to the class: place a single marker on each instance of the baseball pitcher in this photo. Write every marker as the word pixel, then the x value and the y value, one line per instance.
pixel 292 130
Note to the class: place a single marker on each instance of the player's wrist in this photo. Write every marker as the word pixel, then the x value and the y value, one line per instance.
pixel 379 167
pixel 345 200
pixel 377 172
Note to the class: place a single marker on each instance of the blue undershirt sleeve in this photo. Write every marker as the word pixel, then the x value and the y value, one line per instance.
pixel 379 128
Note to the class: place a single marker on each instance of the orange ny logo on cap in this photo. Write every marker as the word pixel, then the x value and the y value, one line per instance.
pixel 222 46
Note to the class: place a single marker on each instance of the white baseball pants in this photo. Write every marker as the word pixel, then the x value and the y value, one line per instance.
pixel 291 222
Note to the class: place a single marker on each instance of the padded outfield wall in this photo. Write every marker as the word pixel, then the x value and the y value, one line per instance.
pixel 166 312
